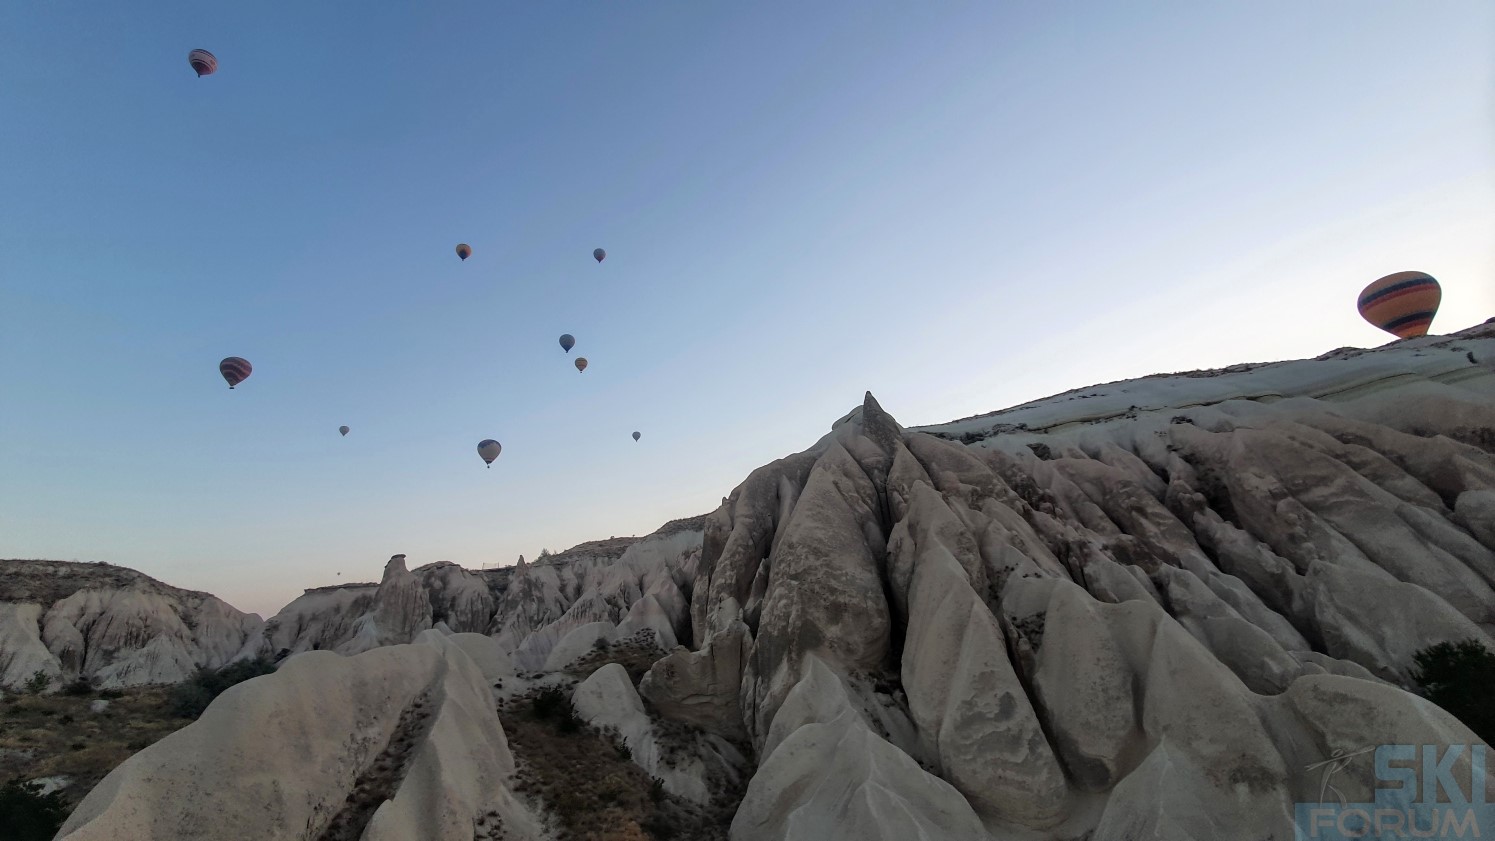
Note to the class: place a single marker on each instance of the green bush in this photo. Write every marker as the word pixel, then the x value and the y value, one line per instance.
pixel 190 697
pixel 28 815
pixel 550 703
pixel 1460 678
pixel 38 682
pixel 80 688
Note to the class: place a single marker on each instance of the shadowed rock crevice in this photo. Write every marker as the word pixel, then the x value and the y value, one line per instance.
pixel 383 775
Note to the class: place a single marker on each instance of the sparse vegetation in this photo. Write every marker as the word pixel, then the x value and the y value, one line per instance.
pixel 585 779
pixel 58 735
pixel 635 654
pixel 1460 678
pixel 38 682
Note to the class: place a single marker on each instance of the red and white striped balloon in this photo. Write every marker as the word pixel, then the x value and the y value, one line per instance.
pixel 204 62
pixel 235 369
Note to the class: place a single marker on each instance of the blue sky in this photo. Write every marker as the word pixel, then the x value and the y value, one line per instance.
pixel 958 206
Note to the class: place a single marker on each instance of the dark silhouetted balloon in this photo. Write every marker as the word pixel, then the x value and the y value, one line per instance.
pixel 568 341
pixel 235 369
pixel 343 430
pixel 599 254
pixel 581 364
pixel 204 62
pixel 635 436
pixel 1402 304
pixel 489 450
pixel 464 250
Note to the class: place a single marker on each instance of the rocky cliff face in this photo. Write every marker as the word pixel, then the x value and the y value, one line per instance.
pixel 629 585
pixel 1145 616
pixel 111 624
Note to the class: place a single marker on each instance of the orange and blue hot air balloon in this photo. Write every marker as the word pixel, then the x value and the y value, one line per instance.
pixel 203 62
pixel 1402 304
pixel 464 250
pixel 599 254
pixel 235 369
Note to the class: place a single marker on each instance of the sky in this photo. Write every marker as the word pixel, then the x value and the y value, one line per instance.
pixel 958 206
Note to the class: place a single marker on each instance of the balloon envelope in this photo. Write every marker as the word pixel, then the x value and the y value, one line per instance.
pixel 1402 304
pixel 464 250
pixel 235 369
pixel 581 364
pixel 489 449
pixel 599 254
pixel 635 436
pixel 203 62
pixel 568 341
pixel 343 430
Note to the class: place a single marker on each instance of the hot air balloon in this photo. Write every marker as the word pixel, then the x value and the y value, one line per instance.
pixel 343 430
pixel 635 435
pixel 568 341
pixel 581 364
pixel 599 254
pixel 235 370
pixel 489 450
pixel 464 250
pixel 203 62
pixel 1402 304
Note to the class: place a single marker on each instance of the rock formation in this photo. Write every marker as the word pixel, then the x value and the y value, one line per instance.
pixel 1148 609
pixel 401 742
pixel 113 625
pixel 1132 617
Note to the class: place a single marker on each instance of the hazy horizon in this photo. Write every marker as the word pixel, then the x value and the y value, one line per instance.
pixel 959 211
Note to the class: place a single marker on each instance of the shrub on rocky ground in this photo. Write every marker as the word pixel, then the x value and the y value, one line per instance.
pixel 190 697
pixel 1460 678
pixel 28 815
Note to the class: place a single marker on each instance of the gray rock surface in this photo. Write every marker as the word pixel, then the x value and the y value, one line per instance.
pixel 410 727
pixel 110 624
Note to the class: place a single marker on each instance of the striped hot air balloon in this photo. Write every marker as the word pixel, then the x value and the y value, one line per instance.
pixel 464 250
pixel 203 62
pixel 235 369
pixel 581 364
pixel 489 450
pixel 1402 304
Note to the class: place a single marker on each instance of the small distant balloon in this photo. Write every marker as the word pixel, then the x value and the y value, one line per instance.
pixel 568 341
pixel 235 369
pixel 635 435
pixel 599 254
pixel 581 364
pixel 203 62
pixel 343 430
pixel 1402 304
pixel 489 450
pixel 464 250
